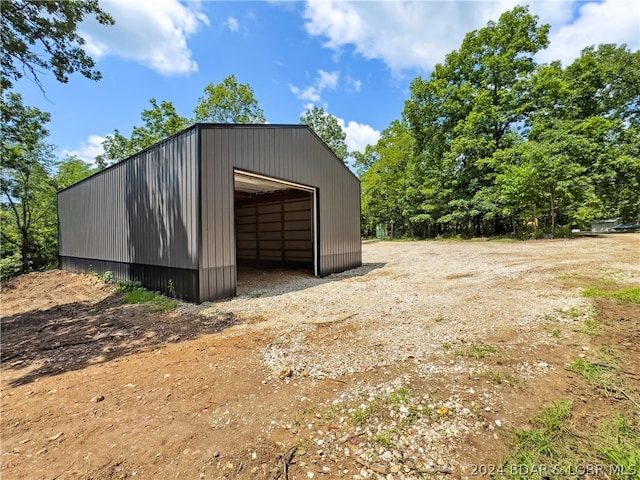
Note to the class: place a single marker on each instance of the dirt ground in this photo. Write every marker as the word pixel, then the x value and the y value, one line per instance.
pixel 270 384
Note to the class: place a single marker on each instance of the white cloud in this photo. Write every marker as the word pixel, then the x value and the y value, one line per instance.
pixel 88 150
pixel 417 35
pixel 151 32
pixel 312 93
pixel 309 93
pixel 232 24
pixel 613 21
pixel 327 80
pixel 354 84
pixel 359 135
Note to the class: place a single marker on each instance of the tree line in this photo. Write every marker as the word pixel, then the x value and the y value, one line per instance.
pixel 493 143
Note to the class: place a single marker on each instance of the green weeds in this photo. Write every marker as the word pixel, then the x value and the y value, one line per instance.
pixel 155 301
pixel 127 286
pixel 591 327
pixel 499 379
pixel 623 295
pixel 620 445
pixel 386 438
pixel 552 448
pixel 476 351
pixel 603 373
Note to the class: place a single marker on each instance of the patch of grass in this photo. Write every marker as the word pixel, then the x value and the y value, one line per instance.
pixel 494 377
pixel 413 415
pixel 552 419
pixel 539 445
pixel 400 396
pixel 591 327
pixel 572 312
pixel 592 372
pixel 328 415
pixel 302 447
pixel 446 346
pixel 555 333
pixel 386 439
pixel 620 444
pixel 139 295
pixel 256 294
pixel 552 449
pixel 501 238
pixel 609 356
pixel 157 302
pixel 477 351
pixel 360 416
pixel 397 401
pixel 603 373
pixel 498 379
pixel 364 413
pixel 624 295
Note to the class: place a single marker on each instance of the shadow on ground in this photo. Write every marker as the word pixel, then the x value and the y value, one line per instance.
pixel 71 335
pixel 74 335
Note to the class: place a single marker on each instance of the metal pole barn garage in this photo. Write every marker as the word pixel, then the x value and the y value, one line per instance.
pixel 180 215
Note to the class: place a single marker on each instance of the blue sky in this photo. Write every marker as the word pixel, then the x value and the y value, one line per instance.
pixel 355 59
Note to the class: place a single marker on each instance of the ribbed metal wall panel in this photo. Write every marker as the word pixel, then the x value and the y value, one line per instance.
pixel 292 153
pixel 142 211
pixel 183 282
pixel 275 228
pixel 172 205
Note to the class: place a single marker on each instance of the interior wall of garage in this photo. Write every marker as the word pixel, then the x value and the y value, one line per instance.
pixel 275 229
pixel 292 153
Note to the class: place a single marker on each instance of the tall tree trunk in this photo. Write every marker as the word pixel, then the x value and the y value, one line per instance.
pixel 553 213
pixel 24 250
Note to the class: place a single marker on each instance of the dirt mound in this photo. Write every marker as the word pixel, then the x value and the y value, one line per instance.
pixel 43 290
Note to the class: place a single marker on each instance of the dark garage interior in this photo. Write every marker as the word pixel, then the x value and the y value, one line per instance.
pixel 274 223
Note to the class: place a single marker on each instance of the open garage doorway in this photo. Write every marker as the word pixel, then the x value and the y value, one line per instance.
pixel 275 229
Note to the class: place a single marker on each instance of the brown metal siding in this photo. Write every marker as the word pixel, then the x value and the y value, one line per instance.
pixel 141 211
pixel 291 153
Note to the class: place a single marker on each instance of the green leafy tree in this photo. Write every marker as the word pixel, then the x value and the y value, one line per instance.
pixel 384 182
pixel 229 102
pixel 38 35
pixel 581 143
pixel 603 107
pixel 328 129
pixel 474 105
pixel 71 170
pixel 28 209
pixel 28 195
pixel 116 148
pixel 159 122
